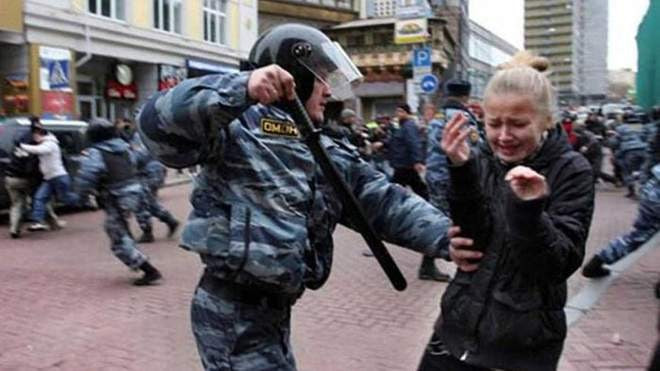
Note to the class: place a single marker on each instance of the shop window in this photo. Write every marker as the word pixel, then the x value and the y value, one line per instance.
pixel 107 8
pixel 167 15
pixel 215 15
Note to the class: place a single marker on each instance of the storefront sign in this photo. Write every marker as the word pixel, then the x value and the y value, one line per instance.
pixel 116 90
pixel 122 85
pixel 57 104
pixel 55 68
pixel 170 76
pixel 411 31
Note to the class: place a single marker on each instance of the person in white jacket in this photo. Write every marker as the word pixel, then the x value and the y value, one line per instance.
pixel 56 179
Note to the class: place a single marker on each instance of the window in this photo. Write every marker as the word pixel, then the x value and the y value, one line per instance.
pixel 354 40
pixel 107 8
pixel 167 15
pixel 215 13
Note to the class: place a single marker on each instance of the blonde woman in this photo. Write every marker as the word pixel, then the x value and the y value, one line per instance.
pixel 522 208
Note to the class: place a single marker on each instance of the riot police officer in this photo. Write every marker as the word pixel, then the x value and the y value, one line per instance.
pixel 109 169
pixel 151 174
pixel 263 213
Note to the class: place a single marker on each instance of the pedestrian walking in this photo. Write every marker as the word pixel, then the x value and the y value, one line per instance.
pixel 151 174
pixel 404 152
pixel 522 211
pixel 56 180
pixel 263 213
pixel 109 168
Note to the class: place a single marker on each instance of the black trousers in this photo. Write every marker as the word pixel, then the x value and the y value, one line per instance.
pixel 407 176
pixel 437 358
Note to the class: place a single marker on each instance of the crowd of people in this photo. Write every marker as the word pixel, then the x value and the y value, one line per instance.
pixel 500 189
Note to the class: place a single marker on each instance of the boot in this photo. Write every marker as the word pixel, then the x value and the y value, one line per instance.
pixel 594 268
pixel 631 192
pixel 147 237
pixel 172 225
pixel 151 274
pixel 429 272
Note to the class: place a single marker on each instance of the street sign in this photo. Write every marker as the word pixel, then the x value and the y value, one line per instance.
pixel 421 57
pixel 421 62
pixel 429 83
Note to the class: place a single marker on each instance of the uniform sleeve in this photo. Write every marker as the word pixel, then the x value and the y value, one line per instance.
pixel 39 149
pixel 550 234
pixel 89 175
pixel 436 161
pixel 181 125
pixel 397 215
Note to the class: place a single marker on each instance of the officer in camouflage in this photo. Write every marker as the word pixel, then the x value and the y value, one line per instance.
pixel 109 169
pixel 151 174
pixel 263 215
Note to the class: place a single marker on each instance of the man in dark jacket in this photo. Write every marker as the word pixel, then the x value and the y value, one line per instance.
pixel 22 176
pixel 588 144
pixel 404 152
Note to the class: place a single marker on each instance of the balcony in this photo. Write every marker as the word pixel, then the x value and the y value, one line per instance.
pixel 331 11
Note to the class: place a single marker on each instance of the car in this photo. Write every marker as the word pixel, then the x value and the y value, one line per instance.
pixel 611 110
pixel 70 133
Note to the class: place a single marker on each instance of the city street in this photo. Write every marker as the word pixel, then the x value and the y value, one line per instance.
pixel 68 304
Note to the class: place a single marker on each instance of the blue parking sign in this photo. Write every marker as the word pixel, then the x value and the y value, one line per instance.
pixel 422 57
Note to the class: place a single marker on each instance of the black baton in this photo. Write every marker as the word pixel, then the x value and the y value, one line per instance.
pixel 353 209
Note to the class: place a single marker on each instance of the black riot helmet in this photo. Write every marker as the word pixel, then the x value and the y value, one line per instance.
pixel 307 54
pixel 100 129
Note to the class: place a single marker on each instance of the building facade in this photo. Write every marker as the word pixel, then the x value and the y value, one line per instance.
pixel 486 51
pixel 386 66
pixel 103 58
pixel 572 34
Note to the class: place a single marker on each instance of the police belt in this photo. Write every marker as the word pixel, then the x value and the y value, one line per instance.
pixel 245 294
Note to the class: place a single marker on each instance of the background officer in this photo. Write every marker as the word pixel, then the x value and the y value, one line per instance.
pixel 109 169
pixel 151 174
pixel 263 214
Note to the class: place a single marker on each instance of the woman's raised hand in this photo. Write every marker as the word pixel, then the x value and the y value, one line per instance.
pixel 454 140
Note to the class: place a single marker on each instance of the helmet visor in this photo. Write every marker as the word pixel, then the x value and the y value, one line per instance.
pixel 333 67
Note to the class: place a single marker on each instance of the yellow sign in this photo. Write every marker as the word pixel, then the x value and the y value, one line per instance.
pixel 409 31
pixel 11 15
pixel 279 128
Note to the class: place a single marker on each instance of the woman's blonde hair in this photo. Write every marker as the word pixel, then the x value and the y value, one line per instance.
pixel 526 74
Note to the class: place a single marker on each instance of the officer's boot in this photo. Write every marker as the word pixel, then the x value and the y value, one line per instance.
pixel 147 236
pixel 631 192
pixel 429 272
pixel 151 274
pixel 172 225
pixel 594 268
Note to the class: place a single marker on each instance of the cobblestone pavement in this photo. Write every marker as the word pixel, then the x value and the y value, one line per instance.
pixel 67 303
